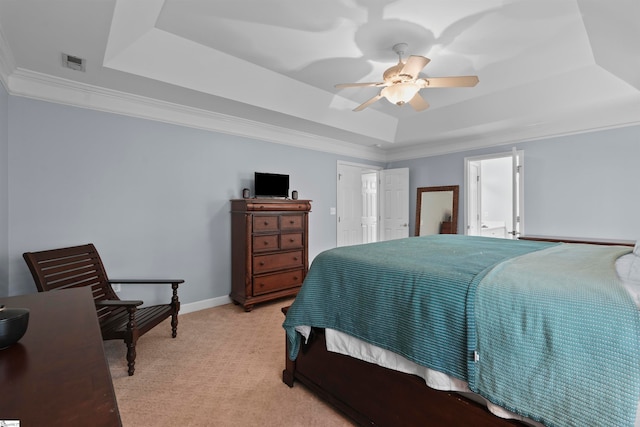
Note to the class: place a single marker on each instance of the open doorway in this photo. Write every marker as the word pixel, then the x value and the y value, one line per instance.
pixel 372 204
pixel 494 193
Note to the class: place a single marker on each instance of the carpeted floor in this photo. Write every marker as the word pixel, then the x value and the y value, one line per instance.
pixel 223 369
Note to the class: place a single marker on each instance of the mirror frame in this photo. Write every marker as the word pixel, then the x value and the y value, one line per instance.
pixel 454 211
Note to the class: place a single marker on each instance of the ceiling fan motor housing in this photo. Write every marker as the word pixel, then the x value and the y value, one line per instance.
pixel 394 75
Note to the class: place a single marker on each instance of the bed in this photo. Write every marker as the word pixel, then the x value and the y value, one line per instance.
pixel 460 330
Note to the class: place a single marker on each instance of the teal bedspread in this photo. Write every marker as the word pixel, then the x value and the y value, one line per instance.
pixel 542 329
pixel 558 338
pixel 407 295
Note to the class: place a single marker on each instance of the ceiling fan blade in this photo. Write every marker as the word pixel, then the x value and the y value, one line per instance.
pixel 367 103
pixel 414 65
pixel 343 85
pixel 459 81
pixel 418 102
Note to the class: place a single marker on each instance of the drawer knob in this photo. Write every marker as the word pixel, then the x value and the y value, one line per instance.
pixel 291 222
pixel 292 240
pixel 261 263
pixel 295 258
pixel 266 223
pixel 295 277
pixel 265 242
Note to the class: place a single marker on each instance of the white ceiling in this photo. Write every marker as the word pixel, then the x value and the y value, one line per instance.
pixel 267 68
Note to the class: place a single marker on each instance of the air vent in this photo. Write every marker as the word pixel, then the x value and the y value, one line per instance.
pixel 73 62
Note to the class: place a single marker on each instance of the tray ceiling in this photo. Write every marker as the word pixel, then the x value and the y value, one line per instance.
pixel 267 68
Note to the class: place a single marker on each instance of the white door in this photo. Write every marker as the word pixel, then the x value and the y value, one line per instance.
pixel 394 203
pixel 369 207
pixel 494 195
pixel 349 208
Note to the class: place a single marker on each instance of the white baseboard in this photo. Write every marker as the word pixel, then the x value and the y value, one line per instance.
pixel 201 305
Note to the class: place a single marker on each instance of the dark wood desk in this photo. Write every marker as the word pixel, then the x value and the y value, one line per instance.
pixel 57 374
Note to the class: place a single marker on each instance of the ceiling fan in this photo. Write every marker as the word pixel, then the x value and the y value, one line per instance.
pixel 402 83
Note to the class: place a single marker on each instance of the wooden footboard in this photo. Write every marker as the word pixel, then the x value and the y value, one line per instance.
pixel 375 396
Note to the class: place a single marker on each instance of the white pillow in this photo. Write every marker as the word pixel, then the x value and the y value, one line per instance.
pixel 628 269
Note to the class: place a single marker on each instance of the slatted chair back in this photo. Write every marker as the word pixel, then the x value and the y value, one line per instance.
pixel 72 267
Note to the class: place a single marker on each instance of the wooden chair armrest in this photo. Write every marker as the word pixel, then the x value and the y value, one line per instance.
pixel 118 303
pixel 146 281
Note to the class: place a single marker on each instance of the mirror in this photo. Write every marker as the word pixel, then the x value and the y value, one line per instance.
pixel 437 210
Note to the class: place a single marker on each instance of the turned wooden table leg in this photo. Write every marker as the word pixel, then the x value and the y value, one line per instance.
pixel 176 308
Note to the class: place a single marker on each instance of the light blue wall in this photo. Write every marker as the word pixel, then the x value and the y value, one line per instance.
pixel 152 197
pixel 583 185
pixel 4 188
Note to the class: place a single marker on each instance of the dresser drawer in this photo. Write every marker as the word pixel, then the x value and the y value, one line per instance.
pixel 267 242
pixel 291 222
pixel 291 240
pixel 265 223
pixel 263 263
pixel 275 282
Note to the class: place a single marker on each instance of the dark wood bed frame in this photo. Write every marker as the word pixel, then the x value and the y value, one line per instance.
pixel 375 396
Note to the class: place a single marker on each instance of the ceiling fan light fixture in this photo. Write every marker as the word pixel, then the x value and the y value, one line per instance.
pixel 402 83
pixel 400 93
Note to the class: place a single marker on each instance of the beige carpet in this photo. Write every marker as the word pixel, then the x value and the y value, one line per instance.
pixel 223 369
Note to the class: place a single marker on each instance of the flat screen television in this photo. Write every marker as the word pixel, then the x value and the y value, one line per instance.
pixel 271 185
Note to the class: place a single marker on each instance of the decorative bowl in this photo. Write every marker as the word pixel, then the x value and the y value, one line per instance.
pixel 13 325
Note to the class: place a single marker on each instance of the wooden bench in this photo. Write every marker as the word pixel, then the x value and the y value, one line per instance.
pixel 80 266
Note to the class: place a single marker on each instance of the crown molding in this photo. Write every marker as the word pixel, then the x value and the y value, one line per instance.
pixel 44 87
pixel 7 62
pixel 497 140
pixel 30 84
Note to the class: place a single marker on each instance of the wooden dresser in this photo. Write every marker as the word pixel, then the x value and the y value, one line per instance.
pixel 269 249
